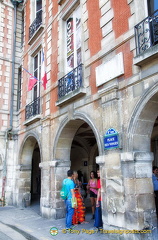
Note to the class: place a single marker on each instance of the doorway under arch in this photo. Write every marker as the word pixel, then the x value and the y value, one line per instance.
pixel 77 145
pixel 35 176
pixel 154 142
pixel 84 151
pixel 30 173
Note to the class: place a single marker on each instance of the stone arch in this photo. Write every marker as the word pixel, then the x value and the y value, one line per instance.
pixel 142 121
pixel 66 133
pixel 27 147
pixel 137 158
pixel 24 172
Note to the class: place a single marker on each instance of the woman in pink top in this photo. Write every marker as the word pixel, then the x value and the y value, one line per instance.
pixel 92 188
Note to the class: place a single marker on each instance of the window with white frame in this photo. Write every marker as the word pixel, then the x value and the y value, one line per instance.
pixel 73 40
pixel 37 74
pixel 36 7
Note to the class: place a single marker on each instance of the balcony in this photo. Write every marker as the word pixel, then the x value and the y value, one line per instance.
pixel 32 111
pixel 36 26
pixel 146 33
pixel 70 86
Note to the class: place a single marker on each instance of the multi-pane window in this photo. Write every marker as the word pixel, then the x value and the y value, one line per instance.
pixel 37 74
pixel 73 40
pixel 36 7
pixel 19 90
pixel 36 16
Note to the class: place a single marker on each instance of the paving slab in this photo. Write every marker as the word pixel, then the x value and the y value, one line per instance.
pixel 32 226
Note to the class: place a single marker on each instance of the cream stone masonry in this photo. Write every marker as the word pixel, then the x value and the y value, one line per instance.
pixel 105 8
pixel 107 17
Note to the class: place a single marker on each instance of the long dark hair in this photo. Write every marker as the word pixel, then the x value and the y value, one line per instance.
pixel 95 175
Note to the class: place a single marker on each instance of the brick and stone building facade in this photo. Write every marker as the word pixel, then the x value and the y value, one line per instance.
pixel 101 64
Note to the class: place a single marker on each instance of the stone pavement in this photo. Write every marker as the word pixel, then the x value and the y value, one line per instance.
pixel 30 225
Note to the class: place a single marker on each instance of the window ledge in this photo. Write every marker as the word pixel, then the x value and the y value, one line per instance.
pixel 71 96
pixel 32 120
pixel 150 54
pixel 36 34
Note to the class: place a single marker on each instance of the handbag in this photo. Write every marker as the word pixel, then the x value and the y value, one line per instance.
pixel 74 202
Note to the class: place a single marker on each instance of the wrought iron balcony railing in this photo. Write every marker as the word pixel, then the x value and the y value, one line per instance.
pixel 146 33
pixel 36 24
pixel 70 82
pixel 32 109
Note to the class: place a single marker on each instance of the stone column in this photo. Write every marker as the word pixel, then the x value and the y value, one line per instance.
pixel 22 189
pixel 60 173
pixel 45 206
pixel 52 175
pixel 139 199
pixel 112 189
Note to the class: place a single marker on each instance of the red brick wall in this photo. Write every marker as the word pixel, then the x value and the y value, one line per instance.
pixel 121 26
pixel 128 59
pixel 95 34
pixel 121 16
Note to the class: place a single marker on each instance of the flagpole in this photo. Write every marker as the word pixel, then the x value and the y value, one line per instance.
pixel 31 74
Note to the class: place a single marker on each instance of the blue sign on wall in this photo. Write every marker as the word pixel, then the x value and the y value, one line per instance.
pixel 111 139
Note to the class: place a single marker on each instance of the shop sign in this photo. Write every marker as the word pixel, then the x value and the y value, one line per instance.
pixel 111 139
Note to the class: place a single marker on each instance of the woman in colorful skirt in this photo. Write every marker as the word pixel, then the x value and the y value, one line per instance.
pixel 79 213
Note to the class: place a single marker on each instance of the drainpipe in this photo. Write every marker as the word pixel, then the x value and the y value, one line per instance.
pixel 15 4
pixel 8 130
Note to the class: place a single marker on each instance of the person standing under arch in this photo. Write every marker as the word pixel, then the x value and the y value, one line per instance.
pixel 98 212
pixel 79 211
pixel 92 189
pixel 70 189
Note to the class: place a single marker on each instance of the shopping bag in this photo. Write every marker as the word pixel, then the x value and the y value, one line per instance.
pixel 74 202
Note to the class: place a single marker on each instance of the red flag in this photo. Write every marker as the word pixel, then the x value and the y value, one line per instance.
pixel 32 82
pixel 43 72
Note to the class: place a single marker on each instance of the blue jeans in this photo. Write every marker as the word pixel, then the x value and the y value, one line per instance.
pixel 69 213
pixel 98 216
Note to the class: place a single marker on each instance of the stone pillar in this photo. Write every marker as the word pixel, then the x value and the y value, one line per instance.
pixel 138 190
pixel 22 188
pixel 45 206
pixel 52 175
pixel 127 190
pixel 112 189
pixel 60 173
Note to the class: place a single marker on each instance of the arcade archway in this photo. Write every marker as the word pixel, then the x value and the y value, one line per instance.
pixel 142 134
pixel 30 173
pixel 77 145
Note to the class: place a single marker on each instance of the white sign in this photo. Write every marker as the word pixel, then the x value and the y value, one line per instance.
pixel 110 69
